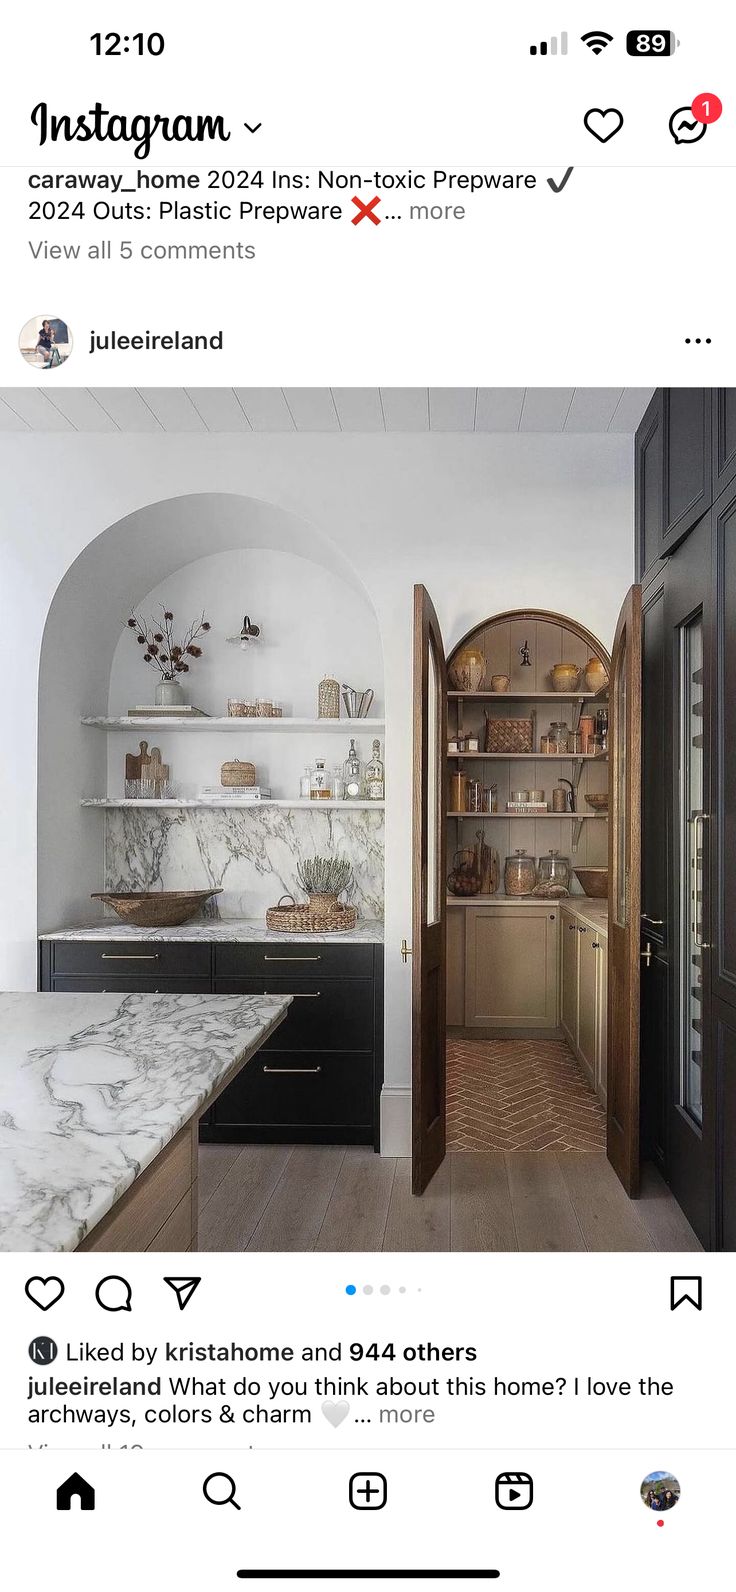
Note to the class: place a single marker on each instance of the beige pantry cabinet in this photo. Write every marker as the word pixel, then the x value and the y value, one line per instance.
pixel 584 986
pixel 502 962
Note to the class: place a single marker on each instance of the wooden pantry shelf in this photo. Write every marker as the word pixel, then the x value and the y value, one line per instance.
pixel 532 818
pixel 107 802
pixel 531 757
pixel 526 696
pixel 206 725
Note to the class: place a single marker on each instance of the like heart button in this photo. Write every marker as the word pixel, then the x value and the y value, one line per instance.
pixel 603 124
pixel 44 1291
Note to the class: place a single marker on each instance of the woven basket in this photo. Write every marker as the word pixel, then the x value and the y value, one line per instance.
pixel 509 735
pixel 329 918
pixel 238 773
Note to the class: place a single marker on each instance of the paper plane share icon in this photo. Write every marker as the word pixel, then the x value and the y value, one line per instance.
pixel 183 1287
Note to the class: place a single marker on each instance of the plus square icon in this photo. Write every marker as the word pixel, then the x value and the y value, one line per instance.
pixel 368 1490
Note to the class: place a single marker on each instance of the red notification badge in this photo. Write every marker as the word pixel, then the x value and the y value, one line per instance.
pixel 706 108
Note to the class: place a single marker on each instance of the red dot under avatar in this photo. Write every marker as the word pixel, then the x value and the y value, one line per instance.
pixel 706 108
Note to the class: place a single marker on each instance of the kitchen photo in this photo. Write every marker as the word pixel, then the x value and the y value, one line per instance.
pixel 369 819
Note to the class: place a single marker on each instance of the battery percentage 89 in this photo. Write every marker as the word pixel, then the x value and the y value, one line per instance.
pixel 650 43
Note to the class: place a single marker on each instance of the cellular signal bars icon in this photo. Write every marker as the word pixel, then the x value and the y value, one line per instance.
pixel 550 48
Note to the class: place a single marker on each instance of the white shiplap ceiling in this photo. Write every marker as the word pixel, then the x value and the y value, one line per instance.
pixel 320 409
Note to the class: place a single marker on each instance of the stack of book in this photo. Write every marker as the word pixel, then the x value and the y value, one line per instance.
pixel 238 793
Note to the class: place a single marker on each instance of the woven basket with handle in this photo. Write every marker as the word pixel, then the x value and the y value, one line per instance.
pixel 238 773
pixel 323 915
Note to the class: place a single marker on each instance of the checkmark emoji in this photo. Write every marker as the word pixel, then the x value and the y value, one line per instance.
pixel 557 187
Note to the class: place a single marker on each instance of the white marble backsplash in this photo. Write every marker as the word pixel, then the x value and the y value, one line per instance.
pixel 252 855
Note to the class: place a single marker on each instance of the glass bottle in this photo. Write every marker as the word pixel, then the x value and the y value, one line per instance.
pixel 352 775
pixel 338 784
pixel 320 784
pixel 305 785
pixel 374 781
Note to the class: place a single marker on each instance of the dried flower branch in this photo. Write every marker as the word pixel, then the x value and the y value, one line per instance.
pixel 167 655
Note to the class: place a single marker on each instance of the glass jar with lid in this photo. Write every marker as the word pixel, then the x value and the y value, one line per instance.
pixel 558 734
pixel 520 874
pixel 554 869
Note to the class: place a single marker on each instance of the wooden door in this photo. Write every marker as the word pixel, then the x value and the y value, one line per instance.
pixel 624 894
pixel 694 1089
pixel 429 926
pixel 588 1001
pixel 569 956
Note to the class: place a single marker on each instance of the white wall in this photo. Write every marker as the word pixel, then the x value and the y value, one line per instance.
pixel 486 522
pixel 312 624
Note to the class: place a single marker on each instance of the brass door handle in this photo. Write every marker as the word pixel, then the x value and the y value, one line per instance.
pixel 110 956
pixel 276 1070
pixel 292 958
pixel 646 955
pixel 654 923
pixel 406 951
pixel 301 996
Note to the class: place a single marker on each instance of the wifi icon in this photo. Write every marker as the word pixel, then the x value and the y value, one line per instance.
pixel 597 40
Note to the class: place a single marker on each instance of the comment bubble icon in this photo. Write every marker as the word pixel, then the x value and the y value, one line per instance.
pixel 114 1293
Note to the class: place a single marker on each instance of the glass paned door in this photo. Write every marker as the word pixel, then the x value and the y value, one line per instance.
pixel 692 824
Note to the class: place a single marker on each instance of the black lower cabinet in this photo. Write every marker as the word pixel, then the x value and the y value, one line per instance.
pixel 317 1080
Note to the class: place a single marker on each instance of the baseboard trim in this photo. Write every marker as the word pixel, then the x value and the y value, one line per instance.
pixel 396 1122
pixel 505 1033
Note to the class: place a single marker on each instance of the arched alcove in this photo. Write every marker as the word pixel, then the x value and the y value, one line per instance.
pixel 227 544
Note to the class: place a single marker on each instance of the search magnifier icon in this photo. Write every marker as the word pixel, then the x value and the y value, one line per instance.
pixel 219 1488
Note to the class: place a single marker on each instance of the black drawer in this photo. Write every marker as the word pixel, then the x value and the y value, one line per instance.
pixel 325 1014
pixel 318 961
pixel 281 1089
pixel 132 985
pixel 119 958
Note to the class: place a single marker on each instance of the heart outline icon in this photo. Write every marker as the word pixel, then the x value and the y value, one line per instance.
pixel 596 111
pixel 44 1285
pixel 335 1411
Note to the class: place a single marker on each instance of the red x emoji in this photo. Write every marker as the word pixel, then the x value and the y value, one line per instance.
pixel 366 210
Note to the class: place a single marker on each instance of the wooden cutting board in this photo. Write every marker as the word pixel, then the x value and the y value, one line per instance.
pixel 136 762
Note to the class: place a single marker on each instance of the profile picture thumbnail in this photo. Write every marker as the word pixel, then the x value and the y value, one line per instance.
pixel 45 342
pixel 660 1491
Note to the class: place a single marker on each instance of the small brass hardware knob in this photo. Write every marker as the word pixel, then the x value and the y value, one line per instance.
pixel 405 951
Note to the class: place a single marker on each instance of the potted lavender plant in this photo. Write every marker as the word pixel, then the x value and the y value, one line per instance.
pixel 168 656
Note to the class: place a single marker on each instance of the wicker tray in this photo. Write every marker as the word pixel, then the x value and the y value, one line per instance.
pixel 308 919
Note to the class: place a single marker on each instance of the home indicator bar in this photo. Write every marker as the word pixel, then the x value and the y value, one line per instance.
pixel 368 1575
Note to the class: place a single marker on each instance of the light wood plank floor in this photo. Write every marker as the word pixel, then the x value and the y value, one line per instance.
pixel 311 1197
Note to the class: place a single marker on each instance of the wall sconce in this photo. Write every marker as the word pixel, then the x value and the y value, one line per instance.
pixel 249 632
pixel 525 655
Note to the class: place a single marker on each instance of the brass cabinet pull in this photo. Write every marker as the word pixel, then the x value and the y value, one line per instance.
pixel 406 951
pixel 571 927
pixel 292 958
pixel 646 955
pixel 595 945
pixel 654 923
pixel 138 956
pixel 582 929
pixel 276 1070
pixel 299 997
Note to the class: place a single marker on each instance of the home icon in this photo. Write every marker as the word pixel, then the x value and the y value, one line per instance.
pixel 75 1487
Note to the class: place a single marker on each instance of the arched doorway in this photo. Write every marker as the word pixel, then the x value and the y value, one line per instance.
pixel 527 818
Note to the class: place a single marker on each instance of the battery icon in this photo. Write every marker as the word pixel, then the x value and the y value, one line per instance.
pixel 649 43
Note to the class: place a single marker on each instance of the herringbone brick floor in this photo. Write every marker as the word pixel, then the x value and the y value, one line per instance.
pixel 519 1094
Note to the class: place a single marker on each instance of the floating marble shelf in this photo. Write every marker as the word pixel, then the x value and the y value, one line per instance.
pixel 242 806
pixel 208 726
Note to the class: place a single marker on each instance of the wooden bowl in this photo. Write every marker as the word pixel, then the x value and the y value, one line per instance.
pixel 594 881
pixel 155 909
pixel 598 801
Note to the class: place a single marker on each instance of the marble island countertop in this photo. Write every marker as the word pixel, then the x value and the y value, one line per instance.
pixel 243 931
pixel 93 1087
